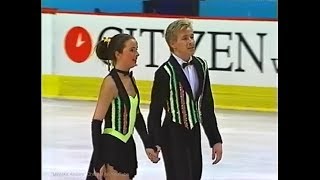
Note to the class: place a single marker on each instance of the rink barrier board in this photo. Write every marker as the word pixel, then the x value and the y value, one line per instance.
pixel 225 96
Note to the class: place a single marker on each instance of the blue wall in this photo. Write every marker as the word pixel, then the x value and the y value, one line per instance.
pixel 208 8
pixel 111 6
pixel 239 8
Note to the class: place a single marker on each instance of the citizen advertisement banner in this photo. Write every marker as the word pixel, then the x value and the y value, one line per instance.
pixel 238 52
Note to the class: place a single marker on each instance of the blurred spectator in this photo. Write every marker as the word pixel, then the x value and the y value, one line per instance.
pixel 172 7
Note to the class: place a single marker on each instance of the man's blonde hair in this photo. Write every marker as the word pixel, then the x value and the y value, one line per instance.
pixel 174 27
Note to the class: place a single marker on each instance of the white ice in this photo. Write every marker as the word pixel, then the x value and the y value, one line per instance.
pixel 250 148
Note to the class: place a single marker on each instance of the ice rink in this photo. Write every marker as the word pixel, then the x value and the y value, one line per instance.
pixel 250 144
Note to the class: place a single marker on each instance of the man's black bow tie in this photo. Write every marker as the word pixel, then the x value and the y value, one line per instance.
pixel 187 64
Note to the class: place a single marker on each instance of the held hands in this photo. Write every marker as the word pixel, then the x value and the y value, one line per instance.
pixel 216 153
pixel 100 175
pixel 153 155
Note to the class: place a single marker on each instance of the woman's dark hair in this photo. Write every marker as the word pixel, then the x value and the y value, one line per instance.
pixel 107 47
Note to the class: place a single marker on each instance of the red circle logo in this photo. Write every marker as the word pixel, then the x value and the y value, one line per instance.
pixel 78 44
